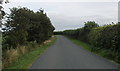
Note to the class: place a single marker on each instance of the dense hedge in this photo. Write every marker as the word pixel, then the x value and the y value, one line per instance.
pixel 24 25
pixel 105 39
pixel 81 33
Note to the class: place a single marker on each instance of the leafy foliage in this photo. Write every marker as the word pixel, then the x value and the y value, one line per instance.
pixel 82 33
pixel 105 39
pixel 24 26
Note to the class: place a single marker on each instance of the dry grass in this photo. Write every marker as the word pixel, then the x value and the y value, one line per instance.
pixel 47 41
pixel 23 56
pixel 11 55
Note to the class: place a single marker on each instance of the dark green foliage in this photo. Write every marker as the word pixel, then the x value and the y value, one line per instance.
pixel 105 40
pixel 40 27
pixel 58 32
pixel 82 33
pixel 72 33
pixel 24 26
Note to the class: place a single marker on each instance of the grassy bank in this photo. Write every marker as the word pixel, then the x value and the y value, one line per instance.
pixel 25 61
pixel 102 53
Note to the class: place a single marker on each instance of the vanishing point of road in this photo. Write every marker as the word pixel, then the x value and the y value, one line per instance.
pixel 64 54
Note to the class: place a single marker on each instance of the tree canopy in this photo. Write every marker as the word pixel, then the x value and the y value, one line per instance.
pixel 24 25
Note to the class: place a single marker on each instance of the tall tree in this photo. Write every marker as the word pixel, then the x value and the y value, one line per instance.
pixel 24 26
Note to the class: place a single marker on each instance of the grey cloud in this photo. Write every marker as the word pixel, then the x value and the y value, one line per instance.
pixel 71 15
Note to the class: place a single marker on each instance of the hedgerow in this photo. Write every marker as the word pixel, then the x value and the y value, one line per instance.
pixel 104 39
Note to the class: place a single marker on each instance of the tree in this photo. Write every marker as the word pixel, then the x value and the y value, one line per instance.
pixel 24 26
pixel 86 30
pixel 89 25
pixel 2 13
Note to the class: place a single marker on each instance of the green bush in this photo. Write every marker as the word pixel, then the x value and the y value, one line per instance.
pixel 105 39
pixel 24 25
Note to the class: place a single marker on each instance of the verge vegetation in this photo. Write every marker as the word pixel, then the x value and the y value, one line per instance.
pixel 23 32
pixel 103 40
pixel 26 60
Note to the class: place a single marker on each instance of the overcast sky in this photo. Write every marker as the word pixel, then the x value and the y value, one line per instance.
pixel 71 14
pixel 64 0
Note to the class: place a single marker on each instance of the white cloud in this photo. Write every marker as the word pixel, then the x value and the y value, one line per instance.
pixel 70 15
pixel 63 22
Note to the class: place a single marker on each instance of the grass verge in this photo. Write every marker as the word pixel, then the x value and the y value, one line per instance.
pixel 82 44
pixel 88 47
pixel 25 61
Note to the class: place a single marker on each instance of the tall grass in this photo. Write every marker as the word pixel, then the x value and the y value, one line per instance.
pixel 23 56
